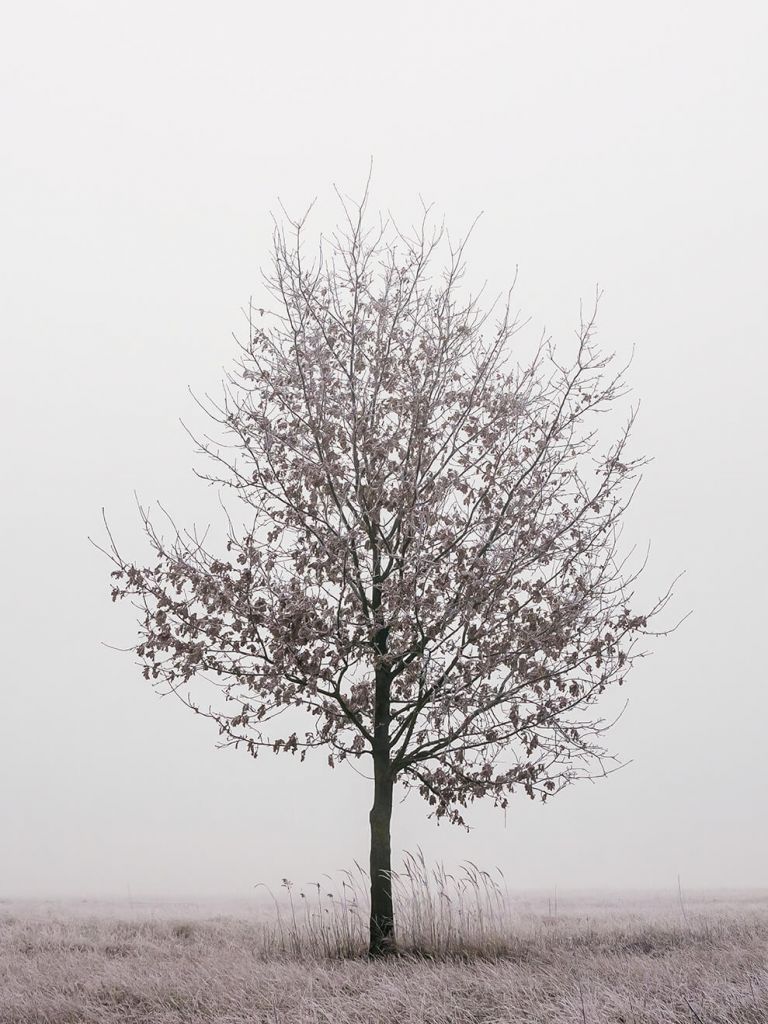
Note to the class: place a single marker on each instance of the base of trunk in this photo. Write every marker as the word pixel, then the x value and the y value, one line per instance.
pixel 382 939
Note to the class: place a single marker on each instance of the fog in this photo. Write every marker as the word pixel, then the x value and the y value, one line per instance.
pixel 144 148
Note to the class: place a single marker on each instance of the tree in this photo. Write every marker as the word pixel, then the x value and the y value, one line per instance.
pixel 429 575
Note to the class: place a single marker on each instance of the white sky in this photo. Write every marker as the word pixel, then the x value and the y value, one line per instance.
pixel 143 147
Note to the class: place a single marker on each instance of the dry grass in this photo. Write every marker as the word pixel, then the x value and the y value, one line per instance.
pixel 473 954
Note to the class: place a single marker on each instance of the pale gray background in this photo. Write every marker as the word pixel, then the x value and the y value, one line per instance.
pixel 143 146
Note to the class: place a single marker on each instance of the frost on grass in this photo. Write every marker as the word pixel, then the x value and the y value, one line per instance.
pixel 640 963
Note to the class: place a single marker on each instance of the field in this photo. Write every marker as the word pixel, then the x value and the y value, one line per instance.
pixel 470 954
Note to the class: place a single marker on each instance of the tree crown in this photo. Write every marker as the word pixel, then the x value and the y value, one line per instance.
pixel 423 512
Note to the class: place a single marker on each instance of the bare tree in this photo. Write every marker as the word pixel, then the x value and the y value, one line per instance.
pixel 430 566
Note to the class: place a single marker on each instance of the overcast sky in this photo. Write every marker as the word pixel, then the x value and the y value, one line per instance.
pixel 143 148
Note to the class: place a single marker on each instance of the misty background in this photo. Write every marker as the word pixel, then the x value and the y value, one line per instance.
pixel 143 149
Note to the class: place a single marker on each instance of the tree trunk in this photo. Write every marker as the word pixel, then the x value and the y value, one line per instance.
pixel 382 939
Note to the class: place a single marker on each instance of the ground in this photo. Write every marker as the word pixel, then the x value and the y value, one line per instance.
pixel 587 960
